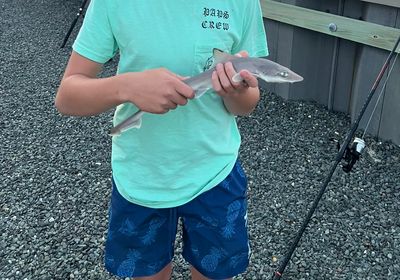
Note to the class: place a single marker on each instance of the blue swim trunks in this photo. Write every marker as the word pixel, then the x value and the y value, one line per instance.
pixel 140 240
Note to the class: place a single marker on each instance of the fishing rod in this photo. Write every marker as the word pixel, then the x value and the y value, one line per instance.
pixel 350 154
pixel 80 12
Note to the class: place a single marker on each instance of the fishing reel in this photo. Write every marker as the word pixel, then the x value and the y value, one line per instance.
pixel 352 154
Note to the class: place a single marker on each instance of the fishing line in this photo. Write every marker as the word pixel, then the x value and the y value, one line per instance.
pixel 379 96
pixel 352 154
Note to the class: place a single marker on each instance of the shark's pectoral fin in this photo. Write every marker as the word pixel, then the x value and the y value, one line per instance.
pixel 114 132
pixel 126 125
pixel 237 78
pixel 136 124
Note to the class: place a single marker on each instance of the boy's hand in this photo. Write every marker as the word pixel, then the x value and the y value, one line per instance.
pixel 222 79
pixel 155 91
pixel 239 98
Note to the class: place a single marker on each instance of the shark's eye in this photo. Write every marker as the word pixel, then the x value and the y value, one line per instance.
pixel 283 74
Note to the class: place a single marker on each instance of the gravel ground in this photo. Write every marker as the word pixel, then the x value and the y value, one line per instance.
pixel 55 172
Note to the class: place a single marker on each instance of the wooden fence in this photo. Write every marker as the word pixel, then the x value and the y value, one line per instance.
pixel 338 47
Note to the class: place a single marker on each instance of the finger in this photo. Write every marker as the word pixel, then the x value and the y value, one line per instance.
pixel 249 79
pixel 230 71
pixel 217 84
pixel 179 99
pixel 169 105
pixel 223 78
pixel 179 86
pixel 245 84
pixel 183 89
pixel 242 54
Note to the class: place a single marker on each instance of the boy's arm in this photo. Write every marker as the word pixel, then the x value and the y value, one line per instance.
pixel 81 93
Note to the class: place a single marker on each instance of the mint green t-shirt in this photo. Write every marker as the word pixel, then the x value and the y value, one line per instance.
pixel 176 156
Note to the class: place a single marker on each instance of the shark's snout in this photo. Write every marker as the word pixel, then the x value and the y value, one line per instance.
pixel 296 78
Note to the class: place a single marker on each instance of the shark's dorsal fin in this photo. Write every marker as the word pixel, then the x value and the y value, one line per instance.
pixel 221 56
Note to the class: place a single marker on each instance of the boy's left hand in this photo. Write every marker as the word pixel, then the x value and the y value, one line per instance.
pixel 222 79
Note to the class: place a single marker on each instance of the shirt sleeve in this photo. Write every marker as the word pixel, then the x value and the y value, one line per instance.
pixel 95 39
pixel 253 39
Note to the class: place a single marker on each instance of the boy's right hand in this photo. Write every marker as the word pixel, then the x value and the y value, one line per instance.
pixel 155 91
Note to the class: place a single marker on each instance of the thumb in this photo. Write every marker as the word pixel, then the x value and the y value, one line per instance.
pixel 242 54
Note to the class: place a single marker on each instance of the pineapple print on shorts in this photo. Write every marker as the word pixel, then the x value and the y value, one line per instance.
pixel 109 261
pixel 210 262
pixel 151 233
pixel 206 221
pixel 226 183
pixel 240 170
pixel 128 228
pixel 234 209
pixel 237 260
pixel 154 268
pixel 128 266
pixel 195 251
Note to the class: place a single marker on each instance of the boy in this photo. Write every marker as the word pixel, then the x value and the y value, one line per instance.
pixel 182 162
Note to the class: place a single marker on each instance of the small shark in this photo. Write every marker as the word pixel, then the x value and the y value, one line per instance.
pixel 267 70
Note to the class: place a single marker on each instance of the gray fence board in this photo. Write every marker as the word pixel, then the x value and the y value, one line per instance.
pixel 346 63
pixel 344 76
